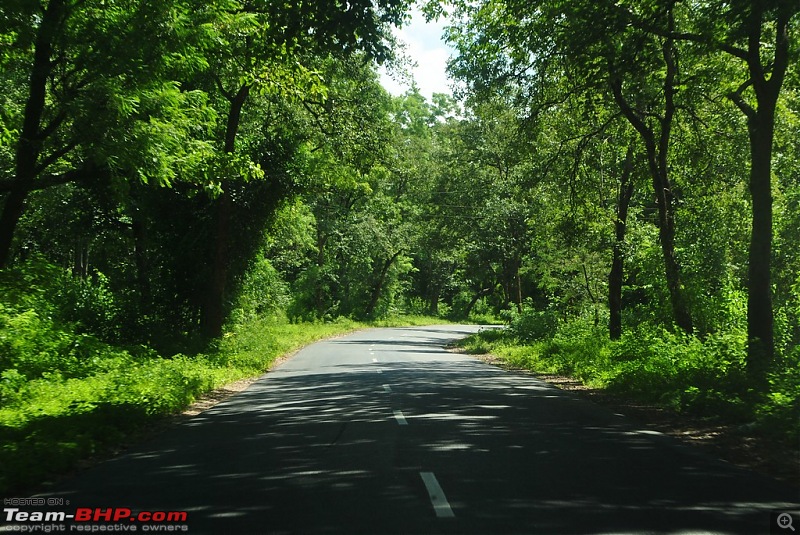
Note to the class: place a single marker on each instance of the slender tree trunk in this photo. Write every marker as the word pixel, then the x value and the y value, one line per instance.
pixel 657 145
pixel 381 280
pixel 30 142
pixel 666 234
pixel 140 256
pixel 80 260
pixel 319 293
pixel 616 275
pixel 433 307
pixel 512 284
pixel 214 311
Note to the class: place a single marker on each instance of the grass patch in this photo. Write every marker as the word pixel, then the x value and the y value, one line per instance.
pixel 57 413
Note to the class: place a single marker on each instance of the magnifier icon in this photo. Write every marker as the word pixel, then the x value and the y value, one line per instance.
pixel 785 521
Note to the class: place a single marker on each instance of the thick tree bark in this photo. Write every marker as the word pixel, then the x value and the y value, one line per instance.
pixel 433 306
pixel 214 310
pixel 760 328
pixel 615 277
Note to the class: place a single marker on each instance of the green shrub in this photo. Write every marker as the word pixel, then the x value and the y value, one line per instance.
pixel 90 303
pixel 531 324
pixel 705 376
pixel 263 292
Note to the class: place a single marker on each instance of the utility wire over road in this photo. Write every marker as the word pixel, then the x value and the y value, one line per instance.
pixel 385 431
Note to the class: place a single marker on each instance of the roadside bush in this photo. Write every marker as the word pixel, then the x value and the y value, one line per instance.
pixel 263 292
pixel 35 346
pixel 89 303
pixel 531 324
pixel 779 414
pixel 705 376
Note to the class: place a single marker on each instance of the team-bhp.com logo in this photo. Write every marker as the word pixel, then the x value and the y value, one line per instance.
pixel 97 519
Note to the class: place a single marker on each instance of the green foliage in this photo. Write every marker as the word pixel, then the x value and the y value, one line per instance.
pixel 90 303
pixel 530 324
pixel 39 335
pixel 49 423
pixel 263 293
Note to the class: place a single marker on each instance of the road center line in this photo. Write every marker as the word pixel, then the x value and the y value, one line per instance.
pixel 401 419
pixel 374 360
pixel 439 501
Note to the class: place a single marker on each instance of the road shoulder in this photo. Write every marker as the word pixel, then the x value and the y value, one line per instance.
pixel 730 442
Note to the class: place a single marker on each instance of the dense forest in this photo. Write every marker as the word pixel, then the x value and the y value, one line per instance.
pixel 619 181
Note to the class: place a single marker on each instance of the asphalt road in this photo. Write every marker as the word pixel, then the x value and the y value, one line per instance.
pixel 385 432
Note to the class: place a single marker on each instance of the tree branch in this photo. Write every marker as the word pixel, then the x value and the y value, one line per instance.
pixel 683 36
pixel 56 155
pixel 227 94
pixel 736 98
pixel 76 175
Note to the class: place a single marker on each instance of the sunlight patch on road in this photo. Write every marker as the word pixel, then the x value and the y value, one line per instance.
pixel 454 416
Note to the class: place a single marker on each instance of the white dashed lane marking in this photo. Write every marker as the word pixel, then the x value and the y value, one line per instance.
pixel 439 501
pixel 400 417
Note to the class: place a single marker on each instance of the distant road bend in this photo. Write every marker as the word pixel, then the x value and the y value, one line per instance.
pixel 386 432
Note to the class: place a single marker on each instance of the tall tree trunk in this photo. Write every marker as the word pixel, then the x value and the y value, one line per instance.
pixel 139 230
pixel 761 130
pixel 616 276
pixel 319 291
pixel 30 141
pixel 760 329
pixel 214 311
pixel 80 260
pixel 657 146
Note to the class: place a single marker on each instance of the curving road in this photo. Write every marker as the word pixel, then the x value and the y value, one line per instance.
pixel 384 431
